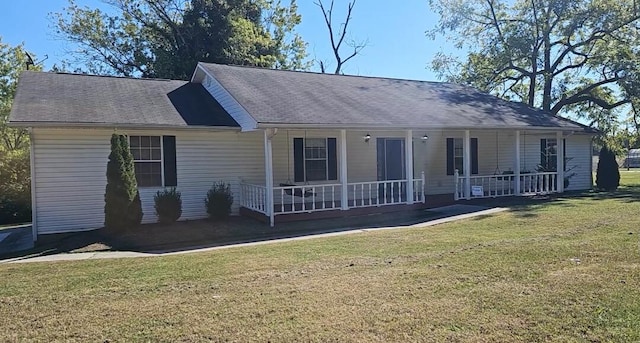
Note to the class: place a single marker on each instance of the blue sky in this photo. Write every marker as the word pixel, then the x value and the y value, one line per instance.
pixel 397 48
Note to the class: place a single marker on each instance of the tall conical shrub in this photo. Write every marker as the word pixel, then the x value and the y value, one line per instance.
pixel 607 174
pixel 122 207
pixel 134 210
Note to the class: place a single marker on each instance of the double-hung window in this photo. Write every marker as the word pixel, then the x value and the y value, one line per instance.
pixel 455 155
pixel 147 159
pixel 458 155
pixel 315 159
pixel 549 154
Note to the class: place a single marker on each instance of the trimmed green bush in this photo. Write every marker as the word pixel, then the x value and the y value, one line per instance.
pixel 218 201
pixel 168 205
pixel 122 208
pixel 608 174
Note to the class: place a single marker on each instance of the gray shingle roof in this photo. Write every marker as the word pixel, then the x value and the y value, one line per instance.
pixel 285 97
pixel 58 98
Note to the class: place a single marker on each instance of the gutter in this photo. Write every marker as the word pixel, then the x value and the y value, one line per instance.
pixel 65 125
pixel 427 128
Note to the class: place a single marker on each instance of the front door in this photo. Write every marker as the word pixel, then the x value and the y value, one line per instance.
pixel 391 166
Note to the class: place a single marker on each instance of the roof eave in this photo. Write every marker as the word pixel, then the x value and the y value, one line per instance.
pixel 28 124
pixel 430 127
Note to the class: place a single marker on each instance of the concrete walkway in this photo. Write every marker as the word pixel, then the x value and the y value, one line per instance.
pixel 468 211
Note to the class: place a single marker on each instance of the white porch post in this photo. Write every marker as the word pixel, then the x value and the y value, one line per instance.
pixel 408 158
pixel 268 169
pixel 344 199
pixel 466 164
pixel 517 172
pixel 560 162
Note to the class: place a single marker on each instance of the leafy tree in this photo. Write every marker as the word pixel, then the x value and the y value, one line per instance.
pixel 15 176
pixel 122 207
pixel 15 186
pixel 563 56
pixel 13 60
pixel 607 174
pixel 166 38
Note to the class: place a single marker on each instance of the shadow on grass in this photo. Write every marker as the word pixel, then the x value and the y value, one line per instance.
pixel 525 207
pixel 188 235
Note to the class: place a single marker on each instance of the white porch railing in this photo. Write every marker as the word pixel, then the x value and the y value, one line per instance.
pixel 313 198
pixel 309 198
pixel 492 186
pixel 254 197
pixel 539 183
pixel 380 193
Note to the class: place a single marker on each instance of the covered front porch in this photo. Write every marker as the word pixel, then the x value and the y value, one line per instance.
pixel 309 171
pixel 519 181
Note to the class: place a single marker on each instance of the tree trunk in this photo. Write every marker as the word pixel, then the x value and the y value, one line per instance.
pixel 548 73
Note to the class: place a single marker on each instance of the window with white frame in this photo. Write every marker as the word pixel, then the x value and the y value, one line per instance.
pixel 147 159
pixel 315 159
pixel 549 156
pixel 458 154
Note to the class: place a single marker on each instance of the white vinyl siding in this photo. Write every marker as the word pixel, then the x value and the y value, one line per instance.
pixel 70 173
pixel 70 166
pixel 578 156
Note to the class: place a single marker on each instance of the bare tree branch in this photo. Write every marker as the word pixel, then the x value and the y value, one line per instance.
pixel 339 39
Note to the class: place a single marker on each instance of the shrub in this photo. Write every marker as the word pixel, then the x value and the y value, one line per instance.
pixel 168 205
pixel 15 186
pixel 122 207
pixel 607 174
pixel 219 200
pixel 14 210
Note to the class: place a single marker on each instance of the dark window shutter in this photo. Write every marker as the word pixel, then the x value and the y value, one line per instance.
pixel 380 157
pixel 169 159
pixel 450 162
pixel 332 159
pixel 474 156
pixel 543 153
pixel 298 160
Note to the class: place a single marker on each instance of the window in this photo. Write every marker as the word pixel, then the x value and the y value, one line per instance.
pixel 458 156
pixel 549 154
pixel 455 155
pixel 147 159
pixel 315 159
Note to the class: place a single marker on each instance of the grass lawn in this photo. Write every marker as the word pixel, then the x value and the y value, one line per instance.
pixel 566 271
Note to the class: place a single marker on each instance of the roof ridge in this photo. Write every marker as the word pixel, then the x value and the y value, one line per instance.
pixel 103 76
pixel 331 74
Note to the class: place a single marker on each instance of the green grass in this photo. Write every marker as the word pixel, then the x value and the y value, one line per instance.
pixel 563 271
